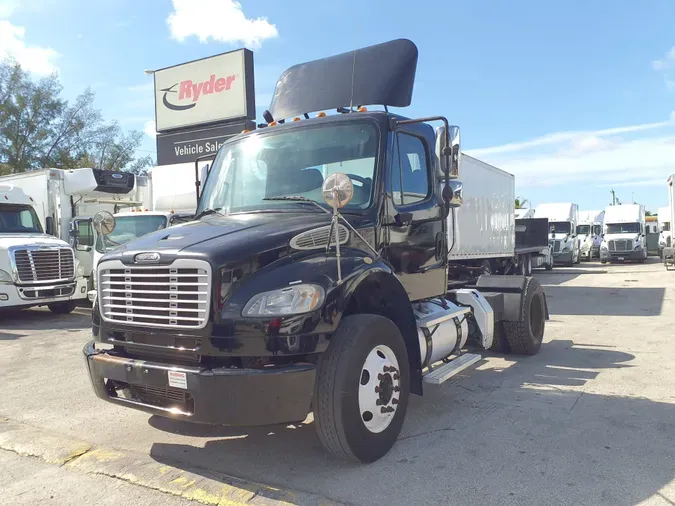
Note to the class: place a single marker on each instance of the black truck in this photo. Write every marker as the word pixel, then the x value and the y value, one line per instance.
pixel 314 278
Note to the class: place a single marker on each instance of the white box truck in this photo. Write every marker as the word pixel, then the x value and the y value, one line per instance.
pixel 665 237
pixel 563 219
pixel 482 233
pixel 36 269
pixel 589 231
pixel 625 236
pixel 66 201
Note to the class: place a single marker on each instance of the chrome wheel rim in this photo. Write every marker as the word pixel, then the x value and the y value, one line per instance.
pixel 379 389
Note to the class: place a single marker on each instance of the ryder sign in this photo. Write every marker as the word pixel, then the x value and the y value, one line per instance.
pixel 202 92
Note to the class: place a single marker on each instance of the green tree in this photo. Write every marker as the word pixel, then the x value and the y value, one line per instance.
pixel 38 129
pixel 520 202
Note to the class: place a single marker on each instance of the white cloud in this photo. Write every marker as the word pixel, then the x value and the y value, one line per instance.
pixel 7 7
pixel 220 20
pixel 39 60
pixel 639 157
pixel 149 129
pixel 666 62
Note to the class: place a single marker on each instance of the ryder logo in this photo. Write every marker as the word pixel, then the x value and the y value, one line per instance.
pixel 187 90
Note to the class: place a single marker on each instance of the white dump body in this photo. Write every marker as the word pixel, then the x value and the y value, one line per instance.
pixel 484 226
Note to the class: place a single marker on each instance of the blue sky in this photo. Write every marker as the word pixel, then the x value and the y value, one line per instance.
pixel 574 98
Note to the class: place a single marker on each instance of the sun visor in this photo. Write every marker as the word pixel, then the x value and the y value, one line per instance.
pixel 383 74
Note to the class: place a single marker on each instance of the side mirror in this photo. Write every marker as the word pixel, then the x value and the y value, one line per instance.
pixel 74 233
pixel 49 225
pixel 104 222
pixel 452 194
pixel 448 151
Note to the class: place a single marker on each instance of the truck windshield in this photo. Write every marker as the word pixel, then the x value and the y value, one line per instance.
pixel 583 229
pixel 623 228
pixel 128 228
pixel 291 163
pixel 18 219
pixel 559 227
pixel 665 226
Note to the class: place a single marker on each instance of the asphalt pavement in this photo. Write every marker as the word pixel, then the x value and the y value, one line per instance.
pixel 589 420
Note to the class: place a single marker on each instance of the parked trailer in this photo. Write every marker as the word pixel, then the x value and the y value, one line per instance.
pixel 668 256
pixel 273 303
pixel 665 235
pixel 624 234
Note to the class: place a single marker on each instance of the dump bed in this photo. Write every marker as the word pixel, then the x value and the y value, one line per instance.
pixel 484 227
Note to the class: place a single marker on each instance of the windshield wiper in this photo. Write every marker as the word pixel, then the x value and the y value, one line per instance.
pixel 206 212
pixel 298 198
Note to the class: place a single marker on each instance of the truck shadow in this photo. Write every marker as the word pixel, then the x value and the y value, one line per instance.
pixel 40 319
pixel 626 301
pixel 523 425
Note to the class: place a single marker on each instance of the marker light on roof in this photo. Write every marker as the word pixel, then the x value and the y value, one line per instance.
pixel 362 109
pixel 296 119
pixel 274 123
pixel 245 131
pixel 321 115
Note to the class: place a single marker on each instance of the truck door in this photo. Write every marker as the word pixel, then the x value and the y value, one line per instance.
pixel 417 243
pixel 84 243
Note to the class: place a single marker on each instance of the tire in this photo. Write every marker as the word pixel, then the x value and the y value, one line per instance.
pixel 61 307
pixel 526 335
pixel 525 266
pixel 603 262
pixel 340 422
pixel 549 267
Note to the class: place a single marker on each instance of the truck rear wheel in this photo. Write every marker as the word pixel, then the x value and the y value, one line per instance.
pixel 361 389
pixel 61 307
pixel 525 335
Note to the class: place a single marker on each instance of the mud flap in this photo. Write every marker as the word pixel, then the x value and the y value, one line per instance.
pixel 510 289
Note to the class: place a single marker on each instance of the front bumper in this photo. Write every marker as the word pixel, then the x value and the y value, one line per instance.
pixel 219 396
pixel 621 255
pixel 24 296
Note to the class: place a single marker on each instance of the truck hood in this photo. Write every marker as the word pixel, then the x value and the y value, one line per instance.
pixel 8 240
pixel 223 239
pixel 621 237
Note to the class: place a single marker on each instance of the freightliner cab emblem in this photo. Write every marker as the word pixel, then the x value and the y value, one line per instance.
pixel 152 256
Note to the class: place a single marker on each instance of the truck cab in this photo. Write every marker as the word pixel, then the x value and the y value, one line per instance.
pixel 36 269
pixel 314 277
pixel 665 234
pixel 562 220
pixel 589 232
pixel 625 234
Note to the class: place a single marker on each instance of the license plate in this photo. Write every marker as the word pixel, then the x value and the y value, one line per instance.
pixel 620 258
pixel 177 379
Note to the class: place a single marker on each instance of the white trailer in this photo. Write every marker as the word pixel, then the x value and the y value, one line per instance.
pixel 562 219
pixel 482 233
pixel 524 213
pixel 625 235
pixel 66 200
pixel 36 269
pixel 589 231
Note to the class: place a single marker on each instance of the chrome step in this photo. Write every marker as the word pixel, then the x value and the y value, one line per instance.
pixel 444 372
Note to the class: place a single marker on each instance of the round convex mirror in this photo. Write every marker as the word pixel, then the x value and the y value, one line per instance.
pixel 338 190
pixel 104 222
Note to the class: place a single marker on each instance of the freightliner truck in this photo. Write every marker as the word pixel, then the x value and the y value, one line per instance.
pixel 314 278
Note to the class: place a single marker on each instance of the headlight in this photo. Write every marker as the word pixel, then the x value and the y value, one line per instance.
pixel 285 301
pixel 603 247
pixel 566 249
pixel 638 246
pixel 5 278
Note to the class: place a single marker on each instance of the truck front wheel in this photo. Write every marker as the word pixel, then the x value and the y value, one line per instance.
pixel 61 307
pixel 362 387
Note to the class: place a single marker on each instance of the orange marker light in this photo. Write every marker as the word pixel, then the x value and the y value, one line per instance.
pixel 362 109
pixel 274 123
pixel 321 115
pixel 296 119
pixel 245 131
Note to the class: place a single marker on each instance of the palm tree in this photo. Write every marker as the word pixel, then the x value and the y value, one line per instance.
pixel 520 202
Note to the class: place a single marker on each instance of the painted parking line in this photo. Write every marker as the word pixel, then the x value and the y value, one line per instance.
pixel 198 485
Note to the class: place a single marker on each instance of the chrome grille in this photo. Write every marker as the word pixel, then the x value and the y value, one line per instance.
pixel 621 245
pixel 555 245
pixel 318 238
pixel 174 296
pixel 44 264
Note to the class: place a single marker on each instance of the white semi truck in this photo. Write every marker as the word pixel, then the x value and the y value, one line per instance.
pixel 625 235
pixel 562 219
pixel 589 231
pixel 315 276
pixel 665 235
pixel 66 201
pixel 36 269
